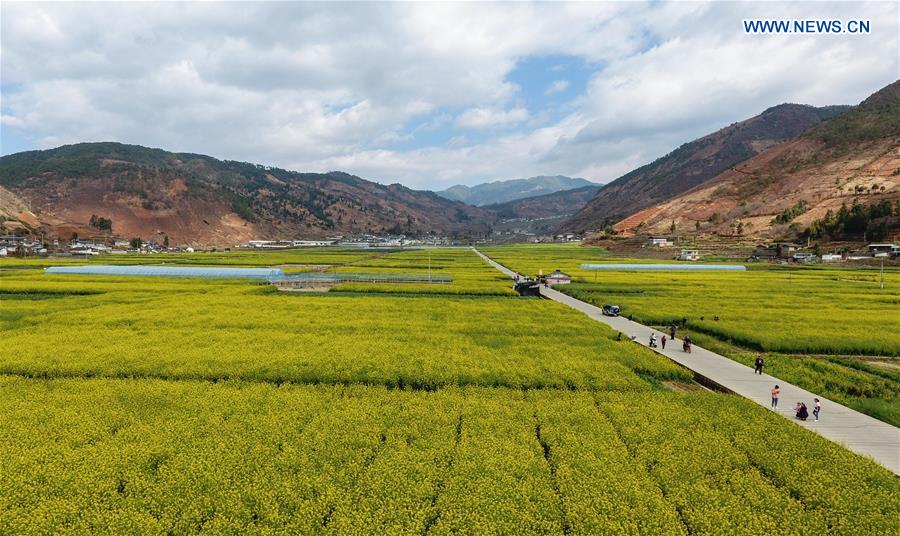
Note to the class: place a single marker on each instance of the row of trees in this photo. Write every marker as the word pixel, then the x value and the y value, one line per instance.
pixel 873 222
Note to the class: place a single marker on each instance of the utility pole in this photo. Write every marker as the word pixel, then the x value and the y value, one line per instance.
pixel 429 266
pixel 882 274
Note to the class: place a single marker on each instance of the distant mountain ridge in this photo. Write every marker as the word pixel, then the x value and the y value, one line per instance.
pixel 541 215
pixel 696 162
pixel 553 205
pixel 509 190
pixel 197 199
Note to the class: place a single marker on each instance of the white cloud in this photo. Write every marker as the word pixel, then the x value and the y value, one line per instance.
pixel 319 87
pixel 479 118
pixel 12 121
pixel 558 86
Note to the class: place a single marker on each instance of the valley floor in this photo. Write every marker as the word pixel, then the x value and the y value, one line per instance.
pixel 174 406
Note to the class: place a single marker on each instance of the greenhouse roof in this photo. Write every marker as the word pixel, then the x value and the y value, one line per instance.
pixel 170 271
pixel 667 267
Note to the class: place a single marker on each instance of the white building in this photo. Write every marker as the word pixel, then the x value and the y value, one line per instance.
pixel 658 242
pixel 884 250
pixel 804 257
pixel 688 255
pixel 310 243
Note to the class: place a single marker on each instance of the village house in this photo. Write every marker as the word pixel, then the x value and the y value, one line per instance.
pixel 568 237
pixel 558 278
pixel 884 250
pixel 786 250
pixel 765 252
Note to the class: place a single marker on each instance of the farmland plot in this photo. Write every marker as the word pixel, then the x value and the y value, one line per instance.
pixel 134 405
pixel 157 456
pixel 213 330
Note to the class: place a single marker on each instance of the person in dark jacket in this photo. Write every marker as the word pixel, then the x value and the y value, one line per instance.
pixel 802 413
pixel 758 364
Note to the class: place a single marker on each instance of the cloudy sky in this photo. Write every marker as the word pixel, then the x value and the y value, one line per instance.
pixel 424 94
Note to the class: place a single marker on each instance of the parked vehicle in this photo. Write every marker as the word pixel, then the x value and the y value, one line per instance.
pixel 528 287
pixel 611 310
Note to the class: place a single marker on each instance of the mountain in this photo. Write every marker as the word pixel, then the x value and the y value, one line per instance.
pixel 15 213
pixel 850 160
pixel 503 191
pixel 541 214
pixel 696 162
pixel 197 199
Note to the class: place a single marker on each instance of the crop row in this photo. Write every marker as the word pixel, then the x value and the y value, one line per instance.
pixel 727 466
pixel 160 456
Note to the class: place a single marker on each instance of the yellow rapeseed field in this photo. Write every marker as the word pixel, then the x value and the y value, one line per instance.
pixel 174 406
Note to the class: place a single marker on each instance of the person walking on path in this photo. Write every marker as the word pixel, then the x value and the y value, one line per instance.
pixel 816 408
pixel 759 364
pixel 775 393
pixel 663 342
pixel 672 330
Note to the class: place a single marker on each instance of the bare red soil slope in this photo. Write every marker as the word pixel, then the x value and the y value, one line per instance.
pixel 854 157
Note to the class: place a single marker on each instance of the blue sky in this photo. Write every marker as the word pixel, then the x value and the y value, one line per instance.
pixel 12 140
pixel 549 83
pixel 545 87
pixel 424 94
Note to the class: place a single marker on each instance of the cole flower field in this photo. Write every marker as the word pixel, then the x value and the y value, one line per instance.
pixel 173 406
pixel 831 330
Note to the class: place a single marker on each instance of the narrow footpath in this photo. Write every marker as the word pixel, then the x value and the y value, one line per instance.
pixel 856 431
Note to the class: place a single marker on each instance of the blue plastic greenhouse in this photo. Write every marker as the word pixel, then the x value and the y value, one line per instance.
pixel 667 267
